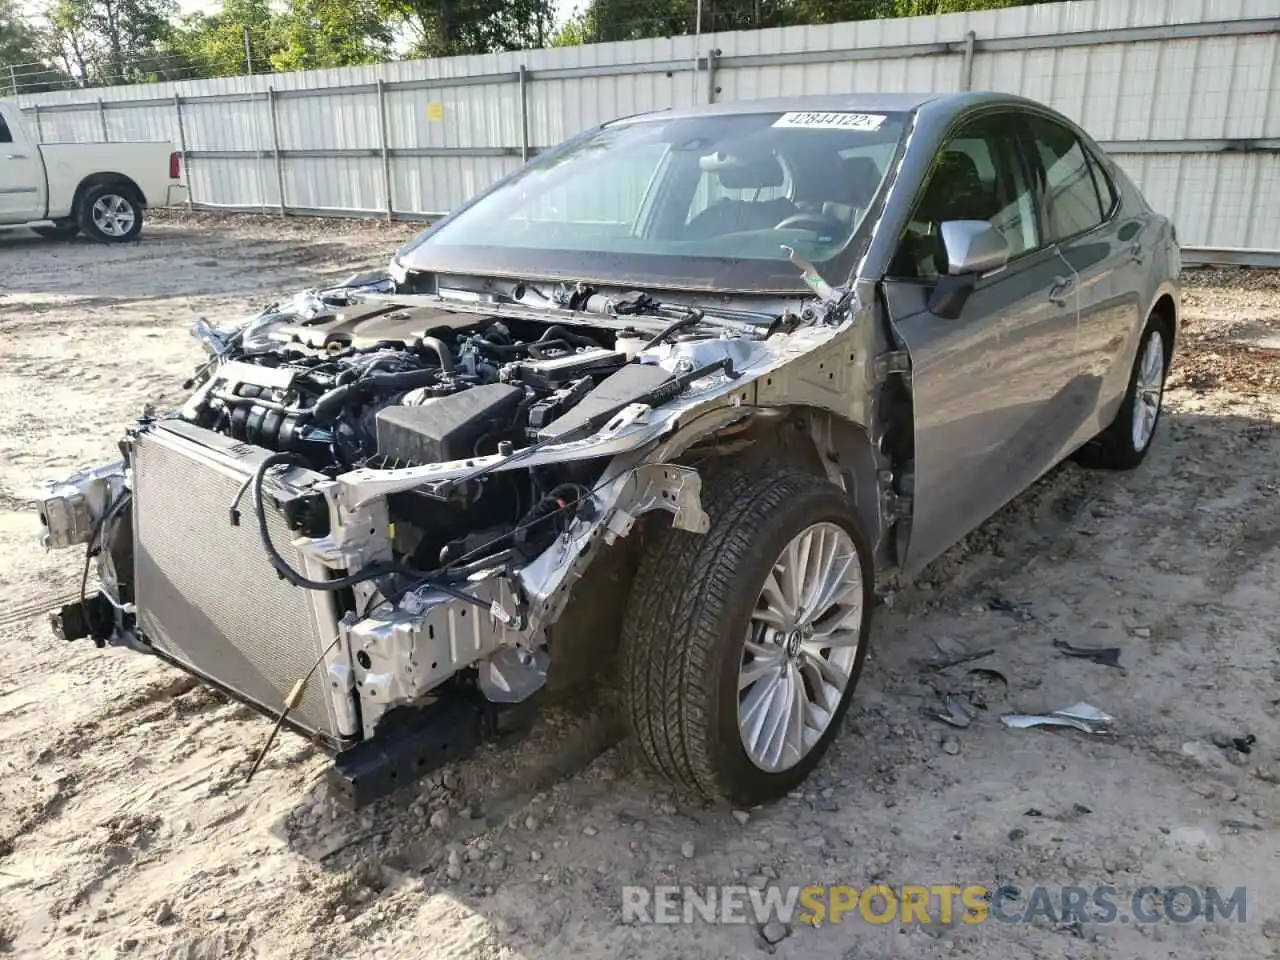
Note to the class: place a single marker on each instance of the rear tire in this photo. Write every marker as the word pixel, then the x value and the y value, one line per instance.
pixel 1123 445
pixel 110 213
pixel 695 634
pixel 63 230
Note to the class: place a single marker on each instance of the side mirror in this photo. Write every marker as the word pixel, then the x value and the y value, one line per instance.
pixel 973 247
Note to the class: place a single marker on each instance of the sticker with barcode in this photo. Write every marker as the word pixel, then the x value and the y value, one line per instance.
pixel 831 121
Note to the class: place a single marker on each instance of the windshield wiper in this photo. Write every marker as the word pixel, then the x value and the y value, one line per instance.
pixel 583 298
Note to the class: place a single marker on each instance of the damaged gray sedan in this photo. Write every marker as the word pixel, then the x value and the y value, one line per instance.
pixel 677 400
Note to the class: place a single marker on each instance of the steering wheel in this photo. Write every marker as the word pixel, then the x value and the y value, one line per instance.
pixel 817 222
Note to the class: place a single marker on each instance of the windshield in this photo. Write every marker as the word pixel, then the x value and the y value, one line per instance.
pixel 696 201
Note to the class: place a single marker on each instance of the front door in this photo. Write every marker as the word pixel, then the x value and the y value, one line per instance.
pixel 995 391
pixel 19 177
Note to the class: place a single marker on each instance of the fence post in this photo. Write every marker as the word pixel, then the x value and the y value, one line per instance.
pixel 275 146
pixel 102 118
pixel 182 144
pixel 524 113
pixel 384 148
pixel 35 116
pixel 711 75
pixel 966 68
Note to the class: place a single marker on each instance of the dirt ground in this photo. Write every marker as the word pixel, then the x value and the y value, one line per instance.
pixel 126 828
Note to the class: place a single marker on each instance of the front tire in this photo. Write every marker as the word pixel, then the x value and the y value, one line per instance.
pixel 110 213
pixel 741 648
pixel 1123 445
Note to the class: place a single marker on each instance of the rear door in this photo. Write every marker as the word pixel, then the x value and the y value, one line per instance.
pixel 1106 252
pixel 21 178
pixel 994 390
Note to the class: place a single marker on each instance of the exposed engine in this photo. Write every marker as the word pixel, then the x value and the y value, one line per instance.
pixel 455 390
pixel 344 385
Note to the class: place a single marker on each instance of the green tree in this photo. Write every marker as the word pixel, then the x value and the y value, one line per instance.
pixel 214 44
pixel 24 66
pixel 114 41
pixel 314 34
pixel 609 20
pixel 443 28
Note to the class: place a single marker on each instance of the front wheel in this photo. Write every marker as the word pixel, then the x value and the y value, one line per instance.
pixel 741 648
pixel 110 214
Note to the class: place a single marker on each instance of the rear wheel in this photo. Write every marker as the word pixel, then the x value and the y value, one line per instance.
pixel 1123 445
pixel 741 648
pixel 63 230
pixel 110 213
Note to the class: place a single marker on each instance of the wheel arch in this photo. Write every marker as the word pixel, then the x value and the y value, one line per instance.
pixel 106 179
pixel 583 639
pixel 814 439
pixel 1165 306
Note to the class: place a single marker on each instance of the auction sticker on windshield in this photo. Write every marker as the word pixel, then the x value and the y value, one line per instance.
pixel 831 121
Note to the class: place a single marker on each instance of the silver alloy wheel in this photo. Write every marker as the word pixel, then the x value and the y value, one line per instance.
pixel 801 647
pixel 1148 391
pixel 114 215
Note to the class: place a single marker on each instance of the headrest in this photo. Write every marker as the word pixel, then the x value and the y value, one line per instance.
pixel 755 172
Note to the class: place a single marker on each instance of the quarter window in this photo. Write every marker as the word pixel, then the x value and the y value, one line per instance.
pixel 1071 195
pixel 5 135
pixel 977 175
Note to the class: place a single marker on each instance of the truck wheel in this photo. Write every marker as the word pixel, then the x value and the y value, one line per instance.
pixel 741 647
pixel 63 230
pixel 110 213
pixel 1125 442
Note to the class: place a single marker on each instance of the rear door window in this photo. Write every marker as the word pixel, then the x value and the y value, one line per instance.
pixel 1071 193
pixel 5 135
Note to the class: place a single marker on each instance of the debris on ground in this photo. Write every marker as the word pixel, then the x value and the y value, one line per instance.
pixel 1081 716
pixel 1106 656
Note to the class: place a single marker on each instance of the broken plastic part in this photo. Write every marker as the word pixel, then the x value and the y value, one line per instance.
pixel 812 277
pixel 958 711
pixel 1107 656
pixel 1082 716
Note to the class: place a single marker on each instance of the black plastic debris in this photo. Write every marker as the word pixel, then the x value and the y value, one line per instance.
pixel 1014 608
pixel 1244 744
pixel 956 710
pixel 987 675
pixel 1239 826
pixel 957 661
pixel 1106 656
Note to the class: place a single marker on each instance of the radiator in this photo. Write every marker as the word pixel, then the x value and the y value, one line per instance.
pixel 207 596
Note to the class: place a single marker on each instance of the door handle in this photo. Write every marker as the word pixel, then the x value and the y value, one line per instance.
pixel 1058 292
pixel 17 156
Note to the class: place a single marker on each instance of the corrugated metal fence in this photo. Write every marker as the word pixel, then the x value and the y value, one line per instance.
pixel 1182 92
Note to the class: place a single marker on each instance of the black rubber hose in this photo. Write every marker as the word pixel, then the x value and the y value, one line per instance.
pixel 281 565
pixel 441 350
pixel 560 333
pixel 334 401
pixel 503 351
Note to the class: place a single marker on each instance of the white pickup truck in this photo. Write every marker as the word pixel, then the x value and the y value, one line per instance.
pixel 100 189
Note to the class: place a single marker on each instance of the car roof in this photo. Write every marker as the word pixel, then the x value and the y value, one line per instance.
pixel 942 103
